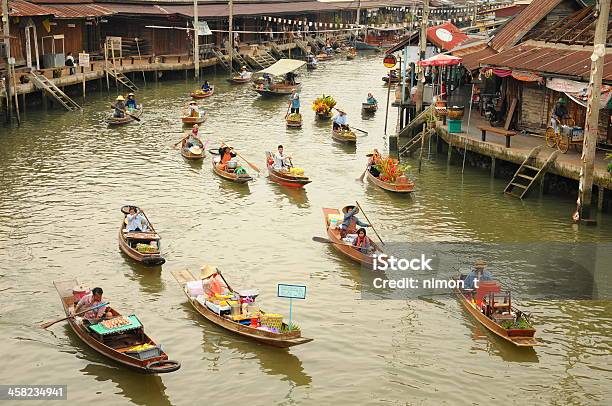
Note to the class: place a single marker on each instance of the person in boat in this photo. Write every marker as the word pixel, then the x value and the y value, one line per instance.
pixel 206 87
pixel 130 103
pixel 374 159
pixel 136 222
pixel 244 73
pixel 350 221
pixel 478 273
pixel 362 243
pixel 290 78
pixel 282 162
pixel 194 111
pixel 371 100
pixel 295 102
pixel 340 121
pixel 193 140
pixel 267 80
pixel 226 153
pixel 91 300
pixel 119 107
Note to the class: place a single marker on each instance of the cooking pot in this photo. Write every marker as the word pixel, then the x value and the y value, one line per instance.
pixel 232 164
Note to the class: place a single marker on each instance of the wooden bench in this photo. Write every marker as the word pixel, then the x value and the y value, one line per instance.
pixel 500 131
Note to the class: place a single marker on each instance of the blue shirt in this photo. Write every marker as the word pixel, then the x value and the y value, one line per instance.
pixel 351 216
pixel 295 101
pixel 131 104
pixel 340 120
pixel 371 100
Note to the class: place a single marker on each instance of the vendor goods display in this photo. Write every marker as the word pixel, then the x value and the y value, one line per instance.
pixel 323 105
pixel 115 322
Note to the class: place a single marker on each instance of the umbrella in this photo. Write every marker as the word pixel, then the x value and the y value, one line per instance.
pixel 440 60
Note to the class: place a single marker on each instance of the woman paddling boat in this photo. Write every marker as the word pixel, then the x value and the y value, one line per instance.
pixel 387 173
pixel 226 166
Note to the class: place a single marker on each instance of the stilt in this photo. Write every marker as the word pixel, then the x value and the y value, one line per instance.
pixel 493 160
pixel 543 185
pixel 156 77
pixel 45 103
pixel 600 197
pixel 23 101
pixel 449 154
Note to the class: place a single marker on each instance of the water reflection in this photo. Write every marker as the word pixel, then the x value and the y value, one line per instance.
pixel 296 196
pixel 148 277
pixel 150 389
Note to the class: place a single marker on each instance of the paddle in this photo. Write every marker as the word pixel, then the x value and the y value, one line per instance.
pixel 131 115
pixel 355 128
pixel 151 224
pixel 328 241
pixel 360 179
pixel 255 168
pixel 222 277
pixel 50 323
pixel 288 107
pixel 181 140
pixel 373 229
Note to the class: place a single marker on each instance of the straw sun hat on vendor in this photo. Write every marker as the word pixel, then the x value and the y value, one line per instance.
pixel 120 98
pixel 348 208
pixel 207 271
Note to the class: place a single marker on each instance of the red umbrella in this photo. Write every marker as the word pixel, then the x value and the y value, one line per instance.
pixel 440 60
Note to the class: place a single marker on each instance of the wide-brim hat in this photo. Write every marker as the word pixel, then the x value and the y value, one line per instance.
pixel 346 209
pixel 207 271
pixel 130 94
pixel 341 111
pixel 120 98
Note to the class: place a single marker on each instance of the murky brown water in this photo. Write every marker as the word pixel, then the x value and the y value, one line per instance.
pixel 63 178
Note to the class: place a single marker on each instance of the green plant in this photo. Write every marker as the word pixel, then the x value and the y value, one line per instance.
pixel 289 327
pixel 609 156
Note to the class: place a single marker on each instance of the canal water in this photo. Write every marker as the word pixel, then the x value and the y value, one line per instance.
pixel 64 177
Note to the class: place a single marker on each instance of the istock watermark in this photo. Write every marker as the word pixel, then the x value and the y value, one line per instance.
pixel 557 271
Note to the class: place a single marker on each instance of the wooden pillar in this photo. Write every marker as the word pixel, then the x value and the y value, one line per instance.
pixel 449 154
pixel 600 197
pixel 542 185
pixel 493 160
pixel 23 101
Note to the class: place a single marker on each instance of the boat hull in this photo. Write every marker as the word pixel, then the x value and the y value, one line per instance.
pixel 113 121
pixel 324 117
pixel 199 96
pixel 287 180
pixel 232 177
pixel 391 187
pixel 239 81
pixel 369 108
pixel 346 137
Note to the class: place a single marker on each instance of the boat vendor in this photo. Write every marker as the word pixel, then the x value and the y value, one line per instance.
pixel 371 99
pixel 295 102
pixel 91 300
pixel 340 121
pixel 374 159
pixel 131 102
pixel 478 273
pixel 290 78
pixel 226 153
pixel 193 140
pixel 206 87
pixel 194 110
pixel 210 281
pixel 244 73
pixel 119 107
pixel 559 114
pixel 136 221
pixel 350 221
pixel 282 161
pixel 362 242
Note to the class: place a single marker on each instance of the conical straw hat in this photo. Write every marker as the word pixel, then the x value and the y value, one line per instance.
pixel 207 271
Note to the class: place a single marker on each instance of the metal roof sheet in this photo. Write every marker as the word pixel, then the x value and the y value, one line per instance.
pixel 557 60
pixel 472 60
pixel 21 8
pixel 79 10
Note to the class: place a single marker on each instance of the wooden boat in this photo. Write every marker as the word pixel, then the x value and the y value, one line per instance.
pixel 115 121
pixel 189 120
pixel 324 116
pixel 345 136
pixel 351 54
pixel 281 340
pixel 200 94
pixel 284 178
pixel 117 343
pixel 128 243
pixel 312 65
pixel 369 108
pixel 496 311
pixel 237 80
pixel 294 120
pixel 189 153
pixel 345 248
pixel 393 79
pixel 276 89
pixel 391 187
pixel 324 57
pixel 233 177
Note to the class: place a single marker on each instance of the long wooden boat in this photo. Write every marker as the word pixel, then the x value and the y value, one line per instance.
pixel 294 121
pixel 324 57
pixel 324 116
pixel 189 120
pixel 369 108
pixel 351 54
pixel 189 154
pixel 128 243
pixel 407 187
pixel 201 94
pixel 115 121
pixel 285 178
pixel 117 343
pixel 521 337
pixel 334 235
pixel 281 340
pixel 393 79
pixel 237 80
pixel 345 136
pixel 232 177
pixel 276 89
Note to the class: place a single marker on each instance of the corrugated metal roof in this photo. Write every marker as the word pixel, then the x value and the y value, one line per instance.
pixel 559 60
pixel 79 10
pixel 21 8
pixel 472 60
pixel 515 29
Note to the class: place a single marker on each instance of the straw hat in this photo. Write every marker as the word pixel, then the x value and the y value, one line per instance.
pixel 480 264
pixel 207 271
pixel 130 94
pixel 120 98
pixel 192 102
pixel 373 152
pixel 347 208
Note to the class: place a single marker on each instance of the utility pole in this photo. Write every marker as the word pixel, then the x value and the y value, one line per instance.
pixel 9 75
pixel 196 40
pixel 422 48
pixel 231 35
pixel 585 188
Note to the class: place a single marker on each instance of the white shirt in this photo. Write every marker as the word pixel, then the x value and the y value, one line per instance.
pixel 281 161
pixel 245 74
pixel 136 221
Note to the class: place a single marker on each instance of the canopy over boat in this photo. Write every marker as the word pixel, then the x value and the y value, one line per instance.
pixel 282 67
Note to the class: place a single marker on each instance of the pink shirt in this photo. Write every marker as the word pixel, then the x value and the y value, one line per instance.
pixel 87 302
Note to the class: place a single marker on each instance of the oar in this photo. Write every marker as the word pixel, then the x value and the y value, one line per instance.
pixel 355 128
pixel 255 168
pixel 181 140
pixel 288 107
pixel 131 115
pixel 373 229
pixel 50 323
pixel 360 179
pixel 151 224
pixel 222 277
pixel 328 241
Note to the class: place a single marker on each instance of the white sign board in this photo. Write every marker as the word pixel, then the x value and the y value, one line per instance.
pixel 291 291
pixel 84 60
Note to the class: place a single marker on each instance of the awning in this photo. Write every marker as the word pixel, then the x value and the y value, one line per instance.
pixel 446 36
pixel 440 60
pixel 282 67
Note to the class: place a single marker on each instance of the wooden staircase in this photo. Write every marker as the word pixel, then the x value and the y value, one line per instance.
pixel 529 173
pixel 302 45
pixel 221 58
pixel 41 82
pixel 237 58
pixel 314 46
pixel 276 51
pixel 124 80
pixel 415 142
pixel 262 60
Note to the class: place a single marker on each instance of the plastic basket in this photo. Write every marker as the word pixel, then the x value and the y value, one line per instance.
pixel 272 320
pixel 145 354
